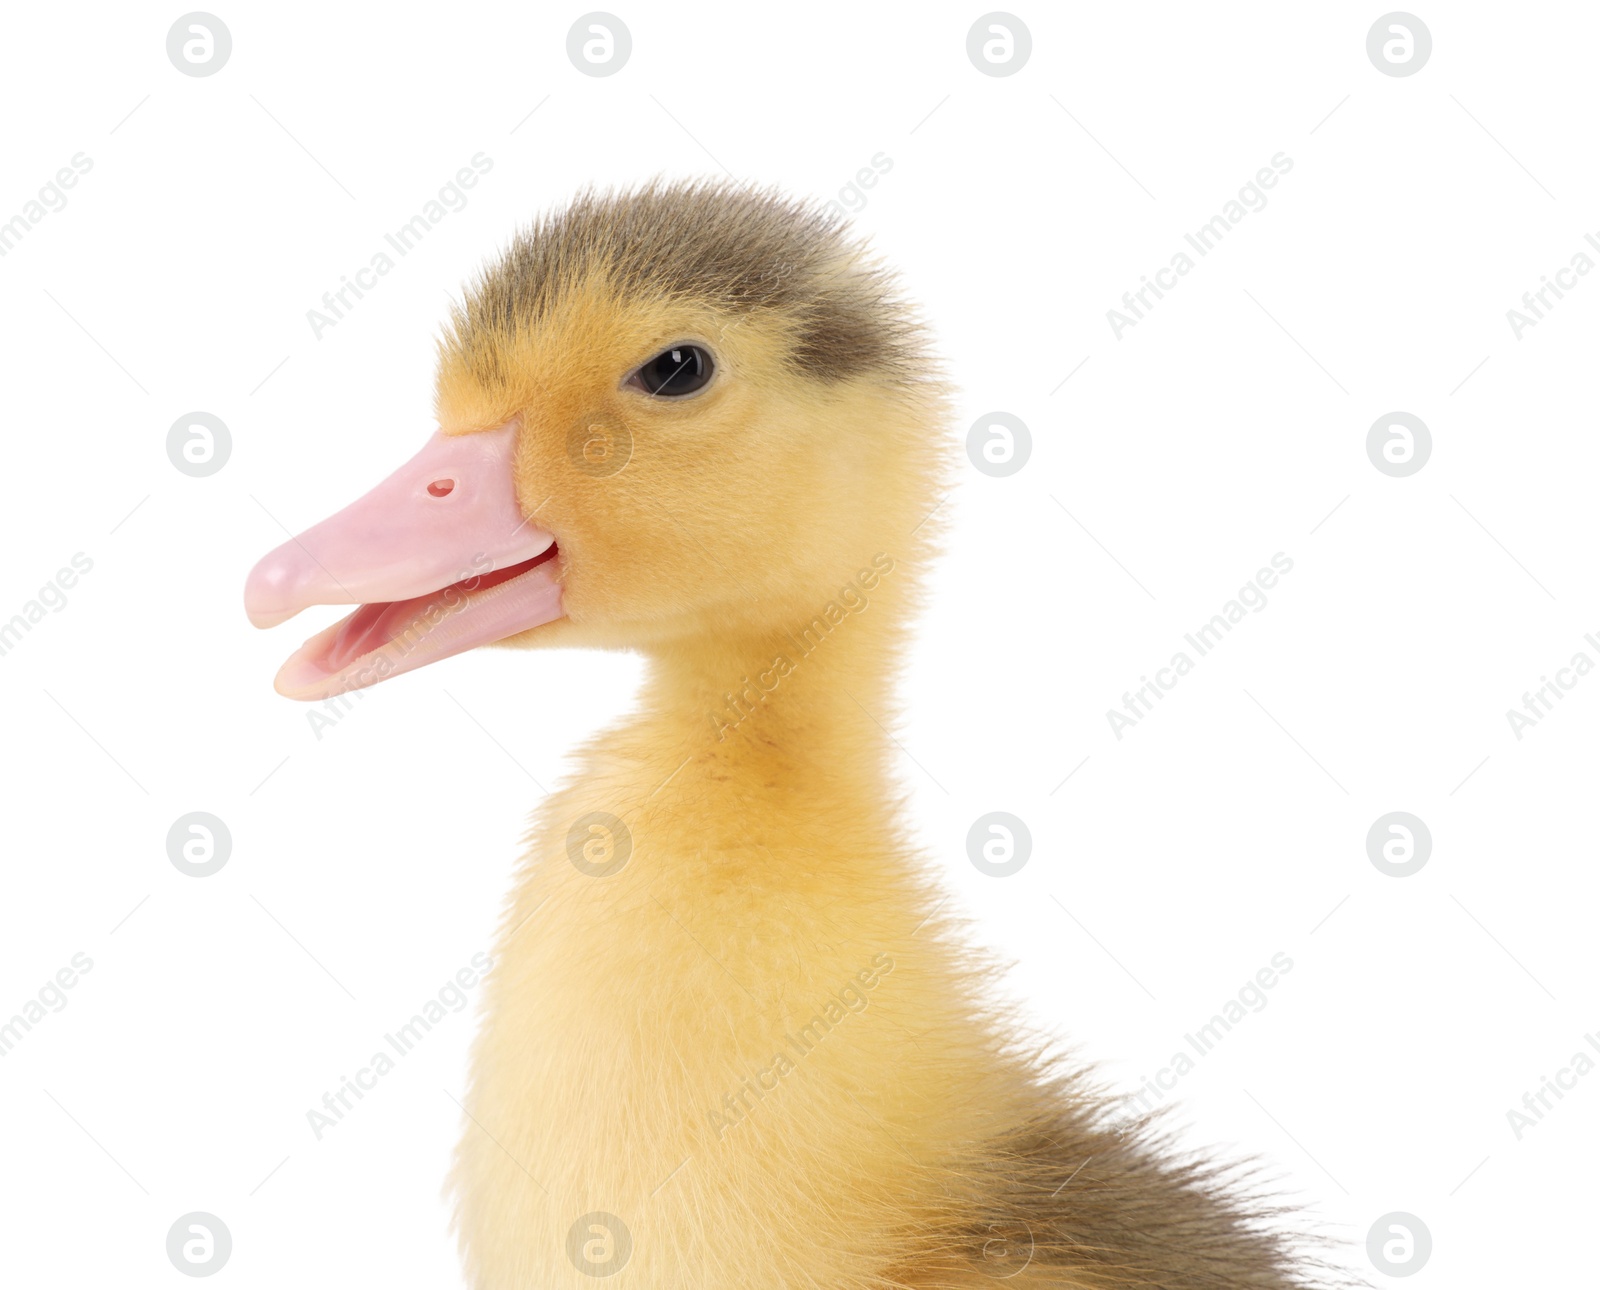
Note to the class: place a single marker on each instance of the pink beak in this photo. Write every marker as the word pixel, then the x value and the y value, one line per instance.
pixel 439 556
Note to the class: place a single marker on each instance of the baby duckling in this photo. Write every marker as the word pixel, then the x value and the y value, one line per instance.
pixel 729 1039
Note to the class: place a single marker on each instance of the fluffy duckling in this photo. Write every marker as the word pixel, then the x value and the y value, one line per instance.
pixel 729 1041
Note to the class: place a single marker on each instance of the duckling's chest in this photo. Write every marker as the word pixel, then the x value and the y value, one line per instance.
pixel 699 988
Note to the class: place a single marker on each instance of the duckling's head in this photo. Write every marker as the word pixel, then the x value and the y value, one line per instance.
pixel 690 411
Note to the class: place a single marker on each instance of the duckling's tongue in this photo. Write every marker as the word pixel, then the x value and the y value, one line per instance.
pixel 440 551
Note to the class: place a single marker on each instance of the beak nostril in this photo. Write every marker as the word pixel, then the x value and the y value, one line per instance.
pixel 441 487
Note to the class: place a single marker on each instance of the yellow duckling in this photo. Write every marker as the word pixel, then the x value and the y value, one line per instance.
pixel 729 1041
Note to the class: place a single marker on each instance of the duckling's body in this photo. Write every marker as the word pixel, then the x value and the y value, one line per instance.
pixel 729 1040
pixel 652 1049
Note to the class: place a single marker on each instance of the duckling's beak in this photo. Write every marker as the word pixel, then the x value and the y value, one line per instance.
pixel 439 556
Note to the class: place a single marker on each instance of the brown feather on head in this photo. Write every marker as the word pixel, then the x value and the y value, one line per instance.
pixel 729 247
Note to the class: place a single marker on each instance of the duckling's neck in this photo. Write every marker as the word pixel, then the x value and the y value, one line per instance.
pixel 747 748
pixel 789 708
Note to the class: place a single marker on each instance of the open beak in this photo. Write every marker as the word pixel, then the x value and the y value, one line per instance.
pixel 439 557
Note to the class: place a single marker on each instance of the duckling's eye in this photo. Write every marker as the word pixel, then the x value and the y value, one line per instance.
pixel 683 369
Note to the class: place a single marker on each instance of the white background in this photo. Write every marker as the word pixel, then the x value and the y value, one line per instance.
pixel 369 864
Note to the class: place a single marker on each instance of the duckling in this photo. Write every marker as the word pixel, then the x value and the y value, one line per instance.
pixel 731 1037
